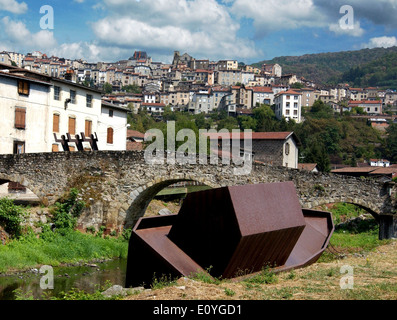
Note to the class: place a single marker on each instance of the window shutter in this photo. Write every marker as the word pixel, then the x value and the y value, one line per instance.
pixel 55 123
pixel 23 87
pixel 88 128
pixel 20 118
pixel 110 136
pixel 72 125
pixel 55 148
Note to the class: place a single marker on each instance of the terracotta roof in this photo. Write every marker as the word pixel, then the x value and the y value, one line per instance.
pixel 365 102
pixel 289 92
pixel 153 104
pixel 135 134
pixel 354 170
pixel 261 89
pixel 255 135
pixel 382 170
pixel 307 166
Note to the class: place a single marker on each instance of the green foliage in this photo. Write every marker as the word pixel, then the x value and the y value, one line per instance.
pixel 330 67
pixel 229 292
pixel 266 276
pixel 107 88
pixel 320 110
pixel 162 282
pixel 66 212
pixel 132 88
pixel 54 248
pixel 380 72
pixel 11 217
pixel 391 142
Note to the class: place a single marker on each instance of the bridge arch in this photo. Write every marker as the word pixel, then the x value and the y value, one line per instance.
pixel 141 197
pixel 370 208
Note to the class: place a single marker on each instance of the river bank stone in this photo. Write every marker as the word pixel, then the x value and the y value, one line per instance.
pixel 121 291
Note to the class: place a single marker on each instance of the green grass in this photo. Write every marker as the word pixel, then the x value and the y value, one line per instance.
pixel 72 247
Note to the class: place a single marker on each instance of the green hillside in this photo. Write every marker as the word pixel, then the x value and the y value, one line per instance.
pixel 331 67
pixel 381 72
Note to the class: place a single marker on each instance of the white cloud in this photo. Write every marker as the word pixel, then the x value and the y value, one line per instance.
pixel 274 15
pixel 200 27
pixel 89 51
pixel 13 6
pixel 355 31
pixel 18 36
pixel 381 42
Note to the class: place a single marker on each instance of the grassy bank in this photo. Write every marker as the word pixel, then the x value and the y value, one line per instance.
pixel 70 247
pixel 58 242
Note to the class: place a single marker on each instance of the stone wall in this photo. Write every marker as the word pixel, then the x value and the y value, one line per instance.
pixel 118 186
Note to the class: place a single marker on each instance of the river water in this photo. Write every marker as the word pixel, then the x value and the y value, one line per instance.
pixel 88 277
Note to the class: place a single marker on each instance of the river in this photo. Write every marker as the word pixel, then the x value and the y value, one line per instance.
pixel 88 277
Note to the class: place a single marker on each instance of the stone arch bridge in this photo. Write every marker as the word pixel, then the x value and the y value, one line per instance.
pixel 118 186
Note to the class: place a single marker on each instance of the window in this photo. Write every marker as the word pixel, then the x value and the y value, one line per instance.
pixel 296 97
pixel 55 122
pixel 287 149
pixel 73 96
pixel 89 101
pixel 72 125
pixel 88 128
pixel 23 87
pixel 57 93
pixel 296 105
pixel 110 136
pixel 19 147
pixel 288 97
pixel 111 113
pixel 20 118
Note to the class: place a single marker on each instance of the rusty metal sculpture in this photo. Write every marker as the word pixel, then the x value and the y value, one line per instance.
pixel 229 231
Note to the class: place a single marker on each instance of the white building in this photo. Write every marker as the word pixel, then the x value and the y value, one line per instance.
pixel 202 102
pixel 23 113
pixel 35 106
pixel 288 105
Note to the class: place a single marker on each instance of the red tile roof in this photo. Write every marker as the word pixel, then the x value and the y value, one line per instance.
pixel 255 135
pixel 135 134
pixel 307 166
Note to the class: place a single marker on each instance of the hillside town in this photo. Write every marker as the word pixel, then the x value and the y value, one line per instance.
pixel 86 105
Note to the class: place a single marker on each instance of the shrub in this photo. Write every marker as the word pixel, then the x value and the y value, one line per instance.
pixel 11 217
pixel 67 211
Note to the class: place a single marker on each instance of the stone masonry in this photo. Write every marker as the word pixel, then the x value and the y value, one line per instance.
pixel 118 186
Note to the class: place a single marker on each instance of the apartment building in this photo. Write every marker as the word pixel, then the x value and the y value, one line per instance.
pixel 225 65
pixel 288 105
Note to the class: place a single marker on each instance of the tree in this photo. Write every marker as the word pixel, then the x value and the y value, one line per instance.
pixel 107 88
pixel 317 153
pixel 320 110
pixel 132 88
pixel 391 142
pixel 265 118
pixel 247 122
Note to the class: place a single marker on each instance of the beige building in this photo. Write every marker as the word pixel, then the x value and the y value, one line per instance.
pixel 224 65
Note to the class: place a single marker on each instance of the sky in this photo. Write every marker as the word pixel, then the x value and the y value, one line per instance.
pixel 245 30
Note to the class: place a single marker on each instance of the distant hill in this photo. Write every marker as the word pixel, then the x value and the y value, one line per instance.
pixel 334 67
